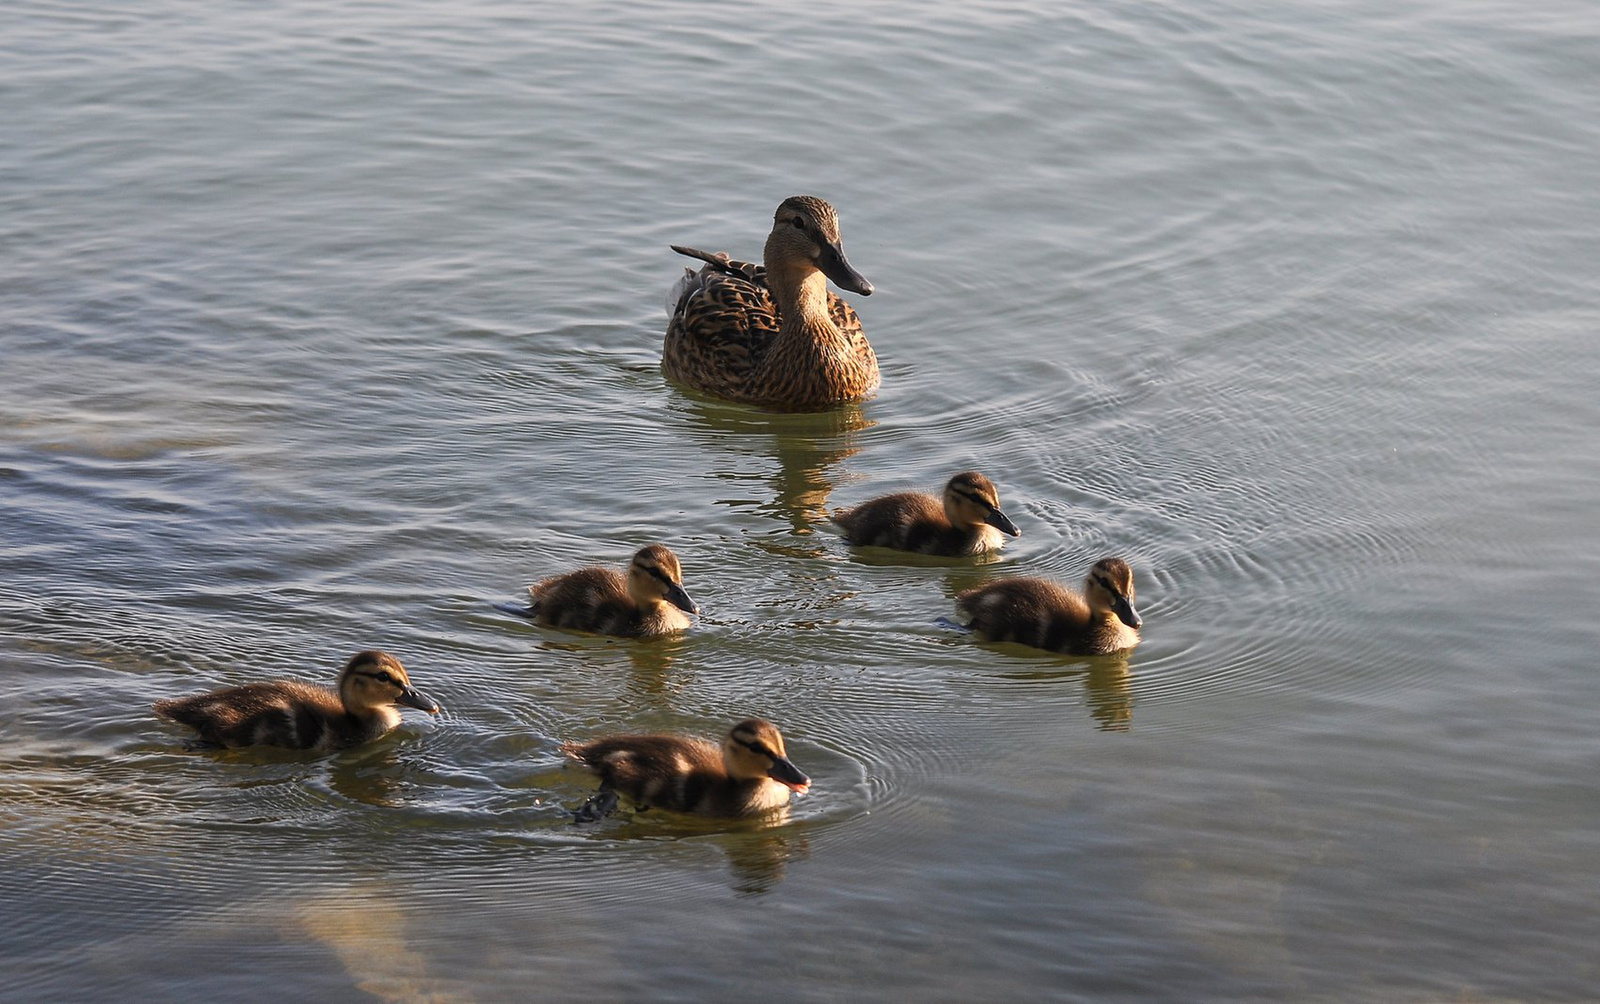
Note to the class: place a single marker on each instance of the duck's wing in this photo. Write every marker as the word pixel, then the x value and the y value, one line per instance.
pixel 722 325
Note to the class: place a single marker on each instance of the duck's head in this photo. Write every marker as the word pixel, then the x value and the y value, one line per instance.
pixel 375 679
pixel 1109 589
pixel 754 749
pixel 970 499
pixel 805 231
pixel 654 576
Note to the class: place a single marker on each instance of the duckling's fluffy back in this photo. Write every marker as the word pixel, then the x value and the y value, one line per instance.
pixel 279 713
pixel 589 599
pixel 915 522
pixel 675 773
pixel 1045 615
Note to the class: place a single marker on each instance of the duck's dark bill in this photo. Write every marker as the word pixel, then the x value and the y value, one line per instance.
pixel 836 267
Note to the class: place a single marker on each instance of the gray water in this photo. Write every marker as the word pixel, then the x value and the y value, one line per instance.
pixel 326 326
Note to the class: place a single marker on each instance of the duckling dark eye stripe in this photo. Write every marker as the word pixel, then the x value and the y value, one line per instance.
pixel 979 500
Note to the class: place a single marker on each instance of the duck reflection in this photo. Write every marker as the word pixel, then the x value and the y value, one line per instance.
pixel 807 446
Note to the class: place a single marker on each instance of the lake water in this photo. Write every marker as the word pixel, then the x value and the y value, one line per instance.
pixel 326 326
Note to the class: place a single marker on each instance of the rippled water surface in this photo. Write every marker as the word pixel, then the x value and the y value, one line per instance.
pixel 325 327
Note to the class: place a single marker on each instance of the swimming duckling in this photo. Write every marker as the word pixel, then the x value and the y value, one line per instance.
pixel 648 602
pixel 967 521
pixel 304 716
pixel 1046 615
pixel 772 334
pixel 750 773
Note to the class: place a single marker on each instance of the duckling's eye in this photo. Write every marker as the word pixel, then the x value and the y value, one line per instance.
pixel 387 678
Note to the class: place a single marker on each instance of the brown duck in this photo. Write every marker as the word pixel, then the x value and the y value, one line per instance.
pixel 304 716
pixel 772 334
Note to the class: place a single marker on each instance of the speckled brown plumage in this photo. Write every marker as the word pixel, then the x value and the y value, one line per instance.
pixel 748 774
pixel 646 602
pixel 965 520
pixel 772 334
pixel 1047 615
pixel 302 715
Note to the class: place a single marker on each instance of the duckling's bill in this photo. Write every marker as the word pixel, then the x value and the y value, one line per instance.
pixel 679 597
pixel 411 697
pixel 1000 521
pixel 1123 608
pixel 785 772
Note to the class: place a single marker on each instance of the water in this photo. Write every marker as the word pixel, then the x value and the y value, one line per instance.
pixel 326 328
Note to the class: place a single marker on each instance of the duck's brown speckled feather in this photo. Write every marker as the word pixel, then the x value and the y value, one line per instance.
pixel 724 326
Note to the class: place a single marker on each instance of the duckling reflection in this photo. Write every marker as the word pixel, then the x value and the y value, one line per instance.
pixel 303 716
pixel 649 601
pixel 760 858
pixel 806 449
pixel 772 334
pixel 1107 683
pixel 966 520
pixel 1047 615
pixel 749 774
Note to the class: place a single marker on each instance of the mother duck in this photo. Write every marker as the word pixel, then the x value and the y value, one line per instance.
pixel 772 334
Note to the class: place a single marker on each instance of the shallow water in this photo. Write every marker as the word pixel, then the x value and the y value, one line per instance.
pixel 327 329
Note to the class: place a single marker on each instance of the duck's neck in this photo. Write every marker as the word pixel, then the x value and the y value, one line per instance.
pixel 802 295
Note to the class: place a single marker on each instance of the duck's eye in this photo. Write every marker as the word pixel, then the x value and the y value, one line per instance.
pixel 385 677
pixel 799 223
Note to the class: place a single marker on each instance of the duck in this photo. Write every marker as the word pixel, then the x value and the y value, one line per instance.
pixel 647 601
pixel 749 774
pixel 1047 615
pixel 772 335
pixel 967 520
pixel 303 716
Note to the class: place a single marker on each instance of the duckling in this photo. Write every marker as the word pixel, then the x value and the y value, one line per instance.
pixel 750 774
pixel 300 715
pixel 647 602
pixel 967 521
pixel 1046 615
pixel 772 334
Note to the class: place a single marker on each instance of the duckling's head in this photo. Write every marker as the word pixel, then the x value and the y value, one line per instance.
pixel 754 749
pixel 373 680
pixel 1109 588
pixel 805 230
pixel 970 499
pixel 654 576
